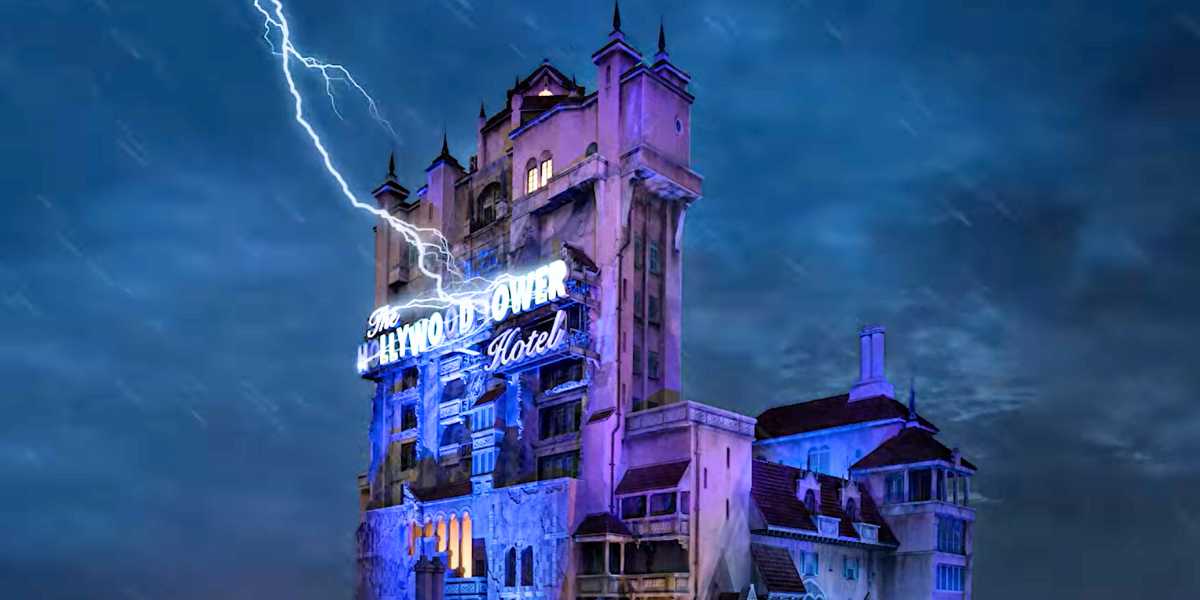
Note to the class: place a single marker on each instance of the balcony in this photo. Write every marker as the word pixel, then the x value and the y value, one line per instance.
pixel 683 414
pixel 664 526
pixel 651 583
pixel 466 588
pixel 562 187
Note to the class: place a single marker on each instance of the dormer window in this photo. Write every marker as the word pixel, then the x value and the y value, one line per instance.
pixel 545 92
pixel 851 510
pixel 810 501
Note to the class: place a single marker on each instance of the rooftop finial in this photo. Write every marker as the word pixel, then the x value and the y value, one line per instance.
pixel 392 165
pixel 445 144
pixel 482 114
pixel 616 16
pixel 662 37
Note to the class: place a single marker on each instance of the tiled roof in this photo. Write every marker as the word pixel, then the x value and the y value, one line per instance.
pixel 490 395
pixel 912 445
pixel 825 413
pixel 600 524
pixel 653 477
pixel 773 490
pixel 777 570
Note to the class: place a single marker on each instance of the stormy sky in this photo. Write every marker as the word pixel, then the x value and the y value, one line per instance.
pixel 1012 188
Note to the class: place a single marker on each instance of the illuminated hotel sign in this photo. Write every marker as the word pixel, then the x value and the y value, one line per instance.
pixel 388 340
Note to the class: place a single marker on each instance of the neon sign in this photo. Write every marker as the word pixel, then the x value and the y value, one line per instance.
pixel 389 340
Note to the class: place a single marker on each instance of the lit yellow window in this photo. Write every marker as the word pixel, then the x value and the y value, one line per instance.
pixel 531 183
pixel 547 170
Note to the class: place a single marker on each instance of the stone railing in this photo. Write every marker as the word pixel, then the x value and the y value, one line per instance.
pixel 466 588
pixel 653 583
pixel 680 414
pixel 666 525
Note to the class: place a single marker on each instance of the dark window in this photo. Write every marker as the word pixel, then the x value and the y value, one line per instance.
pixel 479 557
pixel 639 250
pixel 406 381
pixel 653 259
pixel 591 556
pixel 638 404
pixel 851 510
pixel 614 558
pixel 652 365
pixel 950 578
pixel 510 567
pixel 919 483
pixel 655 557
pixel 655 312
pixel 554 466
pixel 637 361
pixel 637 305
pixel 560 419
pixel 662 504
pixel 633 507
pixel 951 535
pixel 484 209
pixel 810 564
pixel 561 372
pixel 408 455
pixel 810 501
pixel 408 416
pixel 941 485
pixel 685 499
pixel 893 486
pixel 527 566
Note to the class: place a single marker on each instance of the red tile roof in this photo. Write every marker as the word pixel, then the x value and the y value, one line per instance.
pixel 773 490
pixel 776 569
pixel 912 445
pixel 653 477
pixel 600 524
pixel 825 413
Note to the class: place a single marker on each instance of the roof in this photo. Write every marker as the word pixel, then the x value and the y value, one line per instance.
pixel 773 490
pixel 490 395
pixel 580 257
pixel 912 445
pixel 653 477
pixel 826 413
pixel 601 524
pixel 776 569
pixel 600 415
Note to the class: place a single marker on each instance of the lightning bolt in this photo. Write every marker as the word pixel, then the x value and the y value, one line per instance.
pixel 433 250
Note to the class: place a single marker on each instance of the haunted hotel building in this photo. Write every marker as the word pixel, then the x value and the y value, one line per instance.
pixel 539 447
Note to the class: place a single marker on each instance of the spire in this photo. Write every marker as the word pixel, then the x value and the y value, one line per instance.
pixel 482 114
pixel 912 398
pixel 392 165
pixel 616 16
pixel 662 37
pixel 445 145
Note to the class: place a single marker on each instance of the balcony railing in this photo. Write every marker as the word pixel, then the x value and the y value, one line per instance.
pixel 666 525
pixel 655 583
pixel 466 588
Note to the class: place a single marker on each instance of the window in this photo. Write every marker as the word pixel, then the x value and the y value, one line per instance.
pixel 652 365
pixel 810 501
pixel 655 314
pixel 950 578
pixel 560 419
pixel 653 259
pixel 614 559
pixel 408 455
pixel 639 250
pixel 893 488
pixel 561 372
pixel 662 504
pixel 510 567
pixel 685 502
pixel 547 171
pixel 637 360
pixel 850 568
pixel 479 558
pixel 633 507
pixel 666 556
pixel 554 466
pixel 408 417
pixel 818 459
pixel 919 483
pixel 406 381
pixel 531 176
pixel 851 510
pixel 527 566
pixel 637 305
pixel 941 485
pixel 809 564
pixel 951 535
pixel 484 209
pixel 485 261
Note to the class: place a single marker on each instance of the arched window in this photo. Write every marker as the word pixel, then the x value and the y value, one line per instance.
pixel 547 168
pixel 484 209
pixel 851 510
pixel 510 567
pixel 468 563
pixel 527 566
pixel 532 178
pixel 453 543
pixel 441 533
pixel 810 501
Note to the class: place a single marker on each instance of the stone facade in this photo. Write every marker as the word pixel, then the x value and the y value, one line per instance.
pixel 546 451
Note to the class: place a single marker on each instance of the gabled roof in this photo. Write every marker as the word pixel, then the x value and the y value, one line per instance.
pixel 653 477
pixel 773 491
pixel 912 445
pixel 826 413
pixel 776 569
pixel 601 524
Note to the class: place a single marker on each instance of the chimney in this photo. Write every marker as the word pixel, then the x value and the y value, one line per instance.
pixel 872 379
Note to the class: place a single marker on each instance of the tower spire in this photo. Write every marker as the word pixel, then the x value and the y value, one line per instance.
pixel 616 16
pixel 445 144
pixel 391 174
pixel 482 114
pixel 662 37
